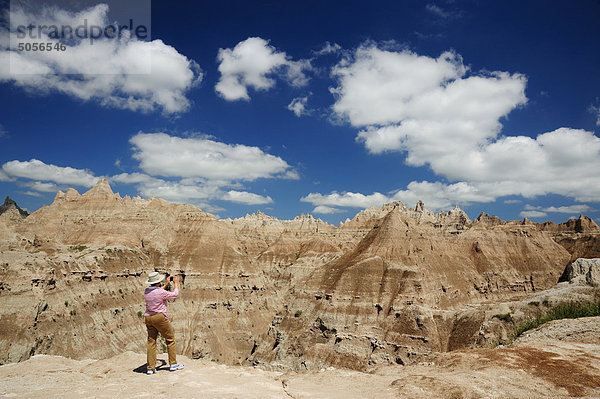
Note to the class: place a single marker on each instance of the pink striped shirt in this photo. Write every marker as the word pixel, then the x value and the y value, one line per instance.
pixel 156 300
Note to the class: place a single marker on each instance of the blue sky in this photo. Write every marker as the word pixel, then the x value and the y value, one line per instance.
pixel 311 107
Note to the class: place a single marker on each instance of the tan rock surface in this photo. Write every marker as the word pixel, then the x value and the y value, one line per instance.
pixel 391 286
pixel 541 366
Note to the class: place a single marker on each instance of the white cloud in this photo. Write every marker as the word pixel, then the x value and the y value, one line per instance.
pixel 578 208
pixel 326 210
pixel 5 177
pixel 122 73
pixel 437 10
pixel 39 171
pixel 132 178
pixel 298 106
pixel 435 196
pixel 532 214
pixel 510 202
pixel 569 209
pixel 244 197
pixel 379 87
pixel 31 193
pixel 177 191
pixel 346 199
pixel 195 192
pixel 596 111
pixel 442 116
pixel 205 170
pixel 41 186
pixel 440 196
pixel 253 63
pixel 329 48
pixel 169 156
pixel 199 171
pixel 291 174
pixel 441 13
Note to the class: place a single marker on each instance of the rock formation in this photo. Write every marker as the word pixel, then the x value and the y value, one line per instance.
pixel 586 271
pixel 391 286
pixel 10 204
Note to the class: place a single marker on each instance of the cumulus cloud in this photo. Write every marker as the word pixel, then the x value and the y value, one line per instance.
pixel 436 196
pixel 162 155
pixel 577 208
pixel 298 106
pixel 195 170
pixel 346 199
pixel 244 197
pixel 200 195
pixel 533 214
pixel 441 115
pixel 196 192
pixel 31 193
pixel 5 177
pixel 123 72
pixel 40 171
pixel 132 178
pixel 326 210
pixel 200 169
pixel 255 63
pixel 42 186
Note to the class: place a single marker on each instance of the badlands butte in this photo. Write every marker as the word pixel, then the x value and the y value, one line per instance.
pixel 393 287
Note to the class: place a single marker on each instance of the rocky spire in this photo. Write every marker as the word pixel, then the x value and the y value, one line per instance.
pixel 8 204
pixel 100 190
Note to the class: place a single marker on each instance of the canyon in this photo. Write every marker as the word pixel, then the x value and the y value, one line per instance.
pixel 392 286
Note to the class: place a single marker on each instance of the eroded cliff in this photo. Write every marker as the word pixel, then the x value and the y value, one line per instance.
pixel 392 285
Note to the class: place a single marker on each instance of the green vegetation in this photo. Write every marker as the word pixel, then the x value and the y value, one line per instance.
pixel 534 303
pixel 73 312
pixel 78 248
pixel 504 317
pixel 569 310
pixel 140 313
pixel 66 303
pixel 298 313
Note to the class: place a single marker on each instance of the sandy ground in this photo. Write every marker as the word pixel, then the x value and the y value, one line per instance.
pixel 561 359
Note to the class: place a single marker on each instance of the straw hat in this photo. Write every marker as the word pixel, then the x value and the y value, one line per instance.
pixel 155 277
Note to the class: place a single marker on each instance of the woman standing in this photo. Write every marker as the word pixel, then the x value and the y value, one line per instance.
pixel 157 319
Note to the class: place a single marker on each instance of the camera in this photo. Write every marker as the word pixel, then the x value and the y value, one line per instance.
pixel 170 278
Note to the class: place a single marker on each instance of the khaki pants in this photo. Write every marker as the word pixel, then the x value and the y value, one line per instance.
pixel 158 323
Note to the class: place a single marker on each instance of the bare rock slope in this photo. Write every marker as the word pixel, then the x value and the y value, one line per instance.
pixel 391 286
pixel 558 360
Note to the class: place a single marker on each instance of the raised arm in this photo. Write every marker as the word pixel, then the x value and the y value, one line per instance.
pixel 175 293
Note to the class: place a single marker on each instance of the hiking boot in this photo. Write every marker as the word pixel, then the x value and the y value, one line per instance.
pixel 175 367
pixel 150 371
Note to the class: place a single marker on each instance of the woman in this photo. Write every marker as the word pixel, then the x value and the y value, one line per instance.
pixel 157 320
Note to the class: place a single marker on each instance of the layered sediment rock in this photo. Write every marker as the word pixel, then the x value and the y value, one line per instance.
pixel 10 204
pixel 392 285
